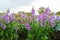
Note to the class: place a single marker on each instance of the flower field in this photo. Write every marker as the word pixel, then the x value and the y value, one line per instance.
pixel 29 27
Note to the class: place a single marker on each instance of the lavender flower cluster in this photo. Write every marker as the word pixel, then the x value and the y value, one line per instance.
pixel 42 18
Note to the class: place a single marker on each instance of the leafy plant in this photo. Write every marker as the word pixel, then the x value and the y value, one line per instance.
pixel 39 32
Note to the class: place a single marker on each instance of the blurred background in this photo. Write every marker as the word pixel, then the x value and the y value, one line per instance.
pixel 26 5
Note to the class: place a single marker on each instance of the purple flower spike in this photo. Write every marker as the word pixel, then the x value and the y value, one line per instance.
pixel 3 27
pixel 6 18
pixel 47 10
pixel 51 19
pixel 42 17
pixel 27 26
pixel 33 11
pixel 12 17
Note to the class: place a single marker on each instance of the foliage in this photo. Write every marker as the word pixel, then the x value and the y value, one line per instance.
pixel 39 32
pixel 9 33
pixel 30 26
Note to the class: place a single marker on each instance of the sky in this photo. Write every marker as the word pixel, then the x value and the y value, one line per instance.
pixel 26 5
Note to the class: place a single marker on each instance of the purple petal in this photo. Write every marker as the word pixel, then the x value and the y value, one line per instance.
pixel 51 18
pixel 6 18
pixel 3 27
pixel 47 10
pixel 12 17
pixel 42 17
pixel 43 23
pixel 33 11
pixel 27 26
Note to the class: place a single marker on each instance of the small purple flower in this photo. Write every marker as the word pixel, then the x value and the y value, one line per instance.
pixel 33 11
pixel 51 19
pixel 47 10
pixel 3 27
pixel 42 17
pixel 43 23
pixel 12 17
pixel 27 26
pixel 6 18
pixel 30 19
